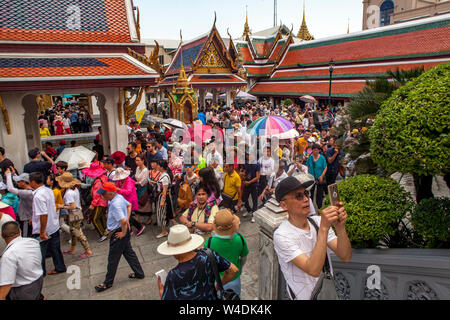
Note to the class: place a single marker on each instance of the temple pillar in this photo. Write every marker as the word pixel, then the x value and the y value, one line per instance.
pixel 215 97
pixel 201 97
pixel 272 101
pixel 229 98
pixel 16 143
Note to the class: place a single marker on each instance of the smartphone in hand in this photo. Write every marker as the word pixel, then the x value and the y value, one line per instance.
pixel 334 194
pixel 163 274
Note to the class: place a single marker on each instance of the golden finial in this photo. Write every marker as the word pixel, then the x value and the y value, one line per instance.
pixel 303 33
pixel 215 18
pixel 348 26
pixel 182 79
pixel 247 30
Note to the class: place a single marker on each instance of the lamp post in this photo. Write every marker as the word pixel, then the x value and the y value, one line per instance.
pixel 331 78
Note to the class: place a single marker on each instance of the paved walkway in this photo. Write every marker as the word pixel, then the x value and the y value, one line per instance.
pixel 93 269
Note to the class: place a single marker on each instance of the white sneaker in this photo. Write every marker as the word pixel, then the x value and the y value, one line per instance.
pixel 70 241
pixel 245 214
pixel 253 220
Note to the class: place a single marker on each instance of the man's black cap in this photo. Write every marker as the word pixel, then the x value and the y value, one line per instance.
pixel 109 160
pixel 290 184
pixel 33 153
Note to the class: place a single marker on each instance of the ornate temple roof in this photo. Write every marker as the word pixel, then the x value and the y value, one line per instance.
pixel 31 68
pixel 361 56
pixel 87 21
pixel 191 52
pixel 206 61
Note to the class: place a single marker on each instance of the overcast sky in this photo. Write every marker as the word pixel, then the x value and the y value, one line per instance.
pixel 164 19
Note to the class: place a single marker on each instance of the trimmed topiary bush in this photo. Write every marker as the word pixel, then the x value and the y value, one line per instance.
pixel 288 102
pixel 431 220
pixel 375 207
pixel 411 133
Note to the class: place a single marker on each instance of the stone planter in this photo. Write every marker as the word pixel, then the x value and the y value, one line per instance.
pixel 406 274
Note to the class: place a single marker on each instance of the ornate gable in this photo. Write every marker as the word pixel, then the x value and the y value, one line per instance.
pixel 214 56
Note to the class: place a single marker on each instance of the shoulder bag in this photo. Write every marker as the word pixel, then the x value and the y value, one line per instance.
pixel 75 215
pixel 226 295
pixel 325 288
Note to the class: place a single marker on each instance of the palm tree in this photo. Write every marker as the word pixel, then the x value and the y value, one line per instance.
pixel 366 105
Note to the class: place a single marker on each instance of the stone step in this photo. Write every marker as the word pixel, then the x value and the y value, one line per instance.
pixel 274 208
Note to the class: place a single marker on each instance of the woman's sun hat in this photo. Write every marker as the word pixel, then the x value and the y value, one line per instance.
pixel 121 174
pixel 94 171
pixel 180 241
pixel 225 223
pixel 119 157
pixel 67 181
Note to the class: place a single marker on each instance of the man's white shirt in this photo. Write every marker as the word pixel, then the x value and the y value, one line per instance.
pixel 291 242
pixel 21 262
pixel 44 204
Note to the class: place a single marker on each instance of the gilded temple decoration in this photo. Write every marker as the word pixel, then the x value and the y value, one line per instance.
pixel 44 102
pixel 5 116
pixel 303 33
pixel 247 30
pixel 183 101
pixel 120 105
pixel 129 107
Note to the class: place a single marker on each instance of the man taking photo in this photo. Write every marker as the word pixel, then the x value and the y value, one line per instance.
pixel 300 248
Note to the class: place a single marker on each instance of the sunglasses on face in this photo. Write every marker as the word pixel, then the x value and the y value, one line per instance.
pixel 300 195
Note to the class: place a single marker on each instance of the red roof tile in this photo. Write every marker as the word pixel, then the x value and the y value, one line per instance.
pixel 361 71
pixel 46 21
pixel 312 88
pixel 421 41
pixel 68 67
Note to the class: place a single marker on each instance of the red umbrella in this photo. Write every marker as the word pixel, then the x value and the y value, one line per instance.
pixel 204 133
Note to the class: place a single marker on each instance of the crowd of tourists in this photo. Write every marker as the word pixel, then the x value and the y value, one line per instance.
pixel 64 119
pixel 195 200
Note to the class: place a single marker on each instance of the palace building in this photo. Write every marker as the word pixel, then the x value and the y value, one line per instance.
pixel 54 48
pixel 201 65
pixel 281 66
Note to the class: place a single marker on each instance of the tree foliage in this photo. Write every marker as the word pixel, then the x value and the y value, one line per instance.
pixel 431 220
pixel 368 101
pixel 411 130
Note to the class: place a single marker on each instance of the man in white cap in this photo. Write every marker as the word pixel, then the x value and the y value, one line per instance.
pixel 25 194
pixel 301 250
pixel 193 278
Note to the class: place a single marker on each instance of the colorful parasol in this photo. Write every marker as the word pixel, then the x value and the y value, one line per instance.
pixel 269 125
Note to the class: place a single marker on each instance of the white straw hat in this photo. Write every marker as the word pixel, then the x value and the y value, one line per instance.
pixel 120 174
pixel 180 241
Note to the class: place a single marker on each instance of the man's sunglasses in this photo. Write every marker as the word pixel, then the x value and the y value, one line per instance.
pixel 300 195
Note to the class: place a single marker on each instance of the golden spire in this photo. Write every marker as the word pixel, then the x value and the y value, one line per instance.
pixel 303 33
pixel 182 79
pixel 247 30
pixel 348 26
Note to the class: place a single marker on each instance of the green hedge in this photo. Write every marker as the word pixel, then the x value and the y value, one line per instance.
pixel 375 207
pixel 431 221
pixel 411 133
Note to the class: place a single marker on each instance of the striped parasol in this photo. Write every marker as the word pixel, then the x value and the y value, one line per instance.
pixel 269 125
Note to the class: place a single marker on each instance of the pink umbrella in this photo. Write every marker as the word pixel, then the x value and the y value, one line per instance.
pixel 203 132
